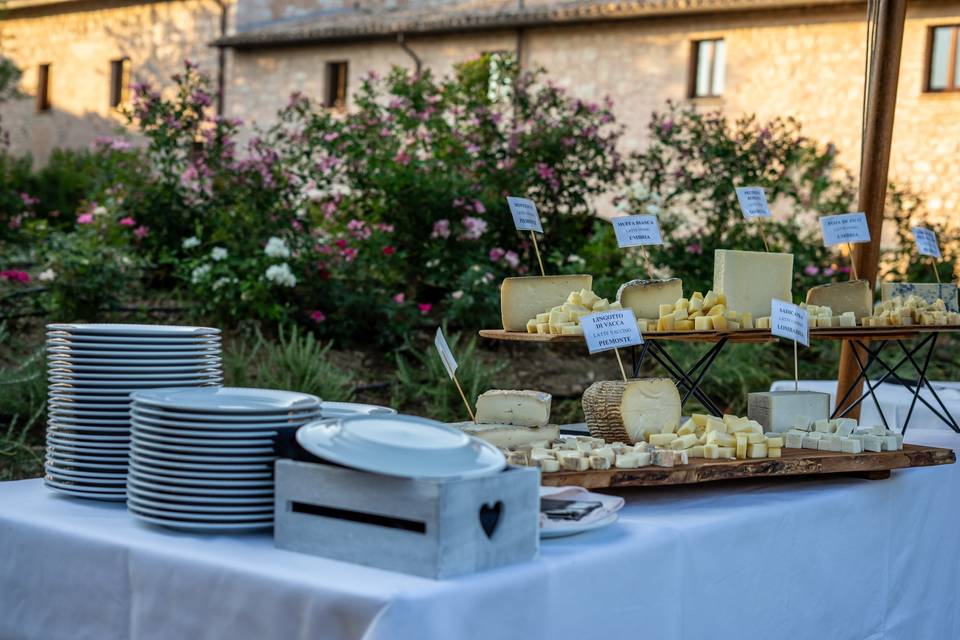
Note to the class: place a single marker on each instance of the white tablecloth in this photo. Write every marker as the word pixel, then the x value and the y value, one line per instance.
pixel 819 559
pixel 894 401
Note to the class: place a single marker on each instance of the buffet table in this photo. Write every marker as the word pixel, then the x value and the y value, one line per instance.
pixel 826 558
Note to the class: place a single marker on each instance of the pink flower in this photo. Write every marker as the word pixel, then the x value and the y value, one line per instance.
pixel 389 251
pixel 141 232
pixel 330 137
pixel 318 316
pixel 400 298
pixel 341 243
pixel 386 228
pixel 14 276
pixel 355 224
pixel 425 308
pixel 694 248
pixel 478 207
pixel 349 254
pixel 127 222
pixel 512 259
pixel 475 227
pixel 402 158
pixel 85 218
pixel 811 270
pixel 441 229
pixel 496 253
pixel 828 272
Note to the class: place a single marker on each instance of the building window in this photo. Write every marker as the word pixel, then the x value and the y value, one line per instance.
pixel 336 85
pixel 119 82
pixel 943 59
pixel 708 63
pixel 43 88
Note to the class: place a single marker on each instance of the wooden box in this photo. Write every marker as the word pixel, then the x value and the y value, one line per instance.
pixel 430 528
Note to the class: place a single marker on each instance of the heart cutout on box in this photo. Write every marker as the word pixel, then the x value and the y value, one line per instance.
pixel 490 517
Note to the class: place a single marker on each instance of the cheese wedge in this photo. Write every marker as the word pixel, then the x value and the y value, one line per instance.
pixel 842 297
pixel 525 297
pixel 524 408
pixel 624 411
pixel 749 280
pixel 508 436
pixel 645 297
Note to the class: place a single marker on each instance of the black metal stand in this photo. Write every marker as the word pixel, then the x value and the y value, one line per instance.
pixel 873 357
pixel 690 380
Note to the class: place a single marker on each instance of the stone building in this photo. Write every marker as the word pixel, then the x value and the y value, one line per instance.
pixel 801 58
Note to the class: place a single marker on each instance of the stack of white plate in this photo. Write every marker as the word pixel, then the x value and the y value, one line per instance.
pixel 92 370
pixel 202 459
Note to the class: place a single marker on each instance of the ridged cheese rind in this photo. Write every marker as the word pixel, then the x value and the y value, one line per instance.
pixel 624 411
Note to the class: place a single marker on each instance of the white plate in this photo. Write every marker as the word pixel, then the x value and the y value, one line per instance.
pixel 148 436
pixel 196 527
pixel 119 420
pixel 58 407
pixel 258 467
pixel 344 409
pixel 227 400
pixel 73 492
pixel 192 475
pixel 210 500
pixel 64 336
pixel 96 485
pixel 138 507
pixel 199 509
pixel 225 434
pixel 240 424
pixel 402 446
pixel 78 450
pixel 131 383
pixel 163 354
pixel 100 369
pixel 84 459
pixel 191 482
pixel 197 418
pixel 147 376
pixel 144 444
pixel 578 527
pixel 83 467
pixel 243 492
pixel 152 454
pixel 206 361
pixel 111 329
pixel 65 433
pixel 93 476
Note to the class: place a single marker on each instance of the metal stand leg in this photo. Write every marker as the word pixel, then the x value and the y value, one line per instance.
pixel 692 379
pixel 866 380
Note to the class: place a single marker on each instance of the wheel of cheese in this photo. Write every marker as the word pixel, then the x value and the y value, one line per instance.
pixel 623 411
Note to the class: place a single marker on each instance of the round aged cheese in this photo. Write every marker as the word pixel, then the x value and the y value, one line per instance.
pixel 621 411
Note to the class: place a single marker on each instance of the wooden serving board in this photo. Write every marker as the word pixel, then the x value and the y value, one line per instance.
pixel 739 336
pixel 795 462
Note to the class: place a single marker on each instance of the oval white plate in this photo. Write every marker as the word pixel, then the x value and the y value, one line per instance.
pixel 197 517
pixel 94 476
pixel 65 336
pixel 578 527
pixel 93 485
pixel 226 400
pixel 401 446
pixel 147 376
pixel 113 329
pixel 91 460
pixel 266 466
pixel 196 527
pixel 148 470
pixel 206 361
pixel 158 353
pixel 152 454
pixel 131 383
pixel 154 414
pixel 144 444
pixel 344 409
pixel 74 492
pixel 244 492
pixel 209 483
pixel 149 436
pixel 187 507
pixel 240 425
pixel 226 434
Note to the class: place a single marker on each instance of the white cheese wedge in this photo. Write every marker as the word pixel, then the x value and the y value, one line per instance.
pixel 645 297
pixel 509 436
pixel 627 461
pixel 625 410
pixel 793 440
pixel 524 297
pixel 523 408
pixel 750 279
pixel 778 410
pixel 851 445
pixel 549 465
pixel 854 296
pixel 929 292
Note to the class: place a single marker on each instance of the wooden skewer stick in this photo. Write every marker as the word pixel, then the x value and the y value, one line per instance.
pixel 646 259
pixel 796 370
pixel 536 248
pixel 936 272
pixel 473 418
pixel 623 371
pixel 763 237
pixel 853 264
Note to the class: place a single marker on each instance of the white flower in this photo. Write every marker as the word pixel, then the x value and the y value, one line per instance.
pixel 574 258
pixel 341 190
pixel 218 253
pixel 190 243
pixel 456 295
pixel 432 264
pixel 653 209
pixel 99 210
pixel 219 282
pixel 47 276
pixel 277 248
pixel 281 274
pixel 199 273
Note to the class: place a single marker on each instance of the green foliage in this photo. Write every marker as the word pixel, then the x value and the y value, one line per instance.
pixel 295 361
pixel 421 383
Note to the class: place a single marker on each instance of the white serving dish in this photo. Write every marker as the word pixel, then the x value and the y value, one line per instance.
pixel 150 330
pixel 226 400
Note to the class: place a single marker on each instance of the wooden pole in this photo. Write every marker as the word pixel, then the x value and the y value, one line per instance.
pixel 875 162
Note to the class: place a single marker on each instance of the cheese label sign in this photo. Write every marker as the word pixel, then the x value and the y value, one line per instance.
pixel 790 321
pixel 845 228
pixel 927 244
pixel 753 202
pixel 634 231
pixel 446 356
pixel 525 216
pixel 610 330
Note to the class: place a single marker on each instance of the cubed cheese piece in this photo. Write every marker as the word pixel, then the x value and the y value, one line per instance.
pixel 929 293
pixel 778 410
pixel 524 297
pixel 763 323
pixel 696 451
pixel 721 425
pixel 644 458
pixel 802 422
pixel 726 452
pixel 746 320
pixel 721 439
pixel 773 452
pixel 824 425
pixel 717 311
pixel 666 323
pixel 601 305
pixel 519 458
pixel 756 438
pixel 684 325
pixel 793 440
pixel 891 443
pixel 628 461
pixel 742 445
pixel 703 323
pixel 809 442
pixel 687 427
pixel 851 445
pixel 749 280
pixel 599 463
pixel 848 320
pixel 625 410
pixel 574 463
pixel 532 326
pixel 711 451
pixel 719 323
pixel 710 300
pixel 684 442
pixel 854 296
pixel 665 310
pixel 758 450
pixel 873 443
pixel 523 408
pixel 509 436
pixel 775 441
pixel 543 327
pixel 549 465
pixel 661 439
pixel 646 296
pixel 605 452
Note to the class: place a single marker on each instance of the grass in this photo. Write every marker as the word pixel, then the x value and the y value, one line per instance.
pixel 23 395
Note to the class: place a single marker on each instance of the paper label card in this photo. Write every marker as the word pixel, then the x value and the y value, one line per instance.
pixel 633 231
pixel 790 321
pixel 753 202
pixel 446 356
pixel 610 330
pixel 927 244
pixel 844 228
pixel 525 216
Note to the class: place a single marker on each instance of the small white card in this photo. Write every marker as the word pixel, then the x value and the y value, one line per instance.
pixel 633 231
pixel 610 330
pixel 927 244
pixel 446 356
pixel 844 228
pixel 753 202
pixel 525 216
pixel 790 321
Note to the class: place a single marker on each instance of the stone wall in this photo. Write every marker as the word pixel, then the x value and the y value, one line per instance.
pixel 78 41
